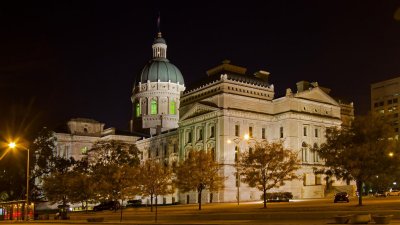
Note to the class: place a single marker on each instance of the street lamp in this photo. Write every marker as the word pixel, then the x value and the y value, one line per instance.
pixel 237 165
pixel 13 145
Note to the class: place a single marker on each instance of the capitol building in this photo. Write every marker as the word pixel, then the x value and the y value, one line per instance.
pixel 227 113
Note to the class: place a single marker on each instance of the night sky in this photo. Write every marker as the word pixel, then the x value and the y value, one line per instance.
pixel 68 59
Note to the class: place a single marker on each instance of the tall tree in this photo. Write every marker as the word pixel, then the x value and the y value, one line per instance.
pixel 199 172
pixel 42 164
pixel 113 163
pixel 156 180
pixel 81 183
pixel 361 152
pixel 268 166
pixel 56 185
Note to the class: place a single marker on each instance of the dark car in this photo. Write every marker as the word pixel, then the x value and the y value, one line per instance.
pixel 341 197
pixel 134 203
pixel 279 197
pixel 380 194
pixel 108 205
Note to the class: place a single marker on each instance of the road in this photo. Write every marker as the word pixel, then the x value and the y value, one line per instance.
pixel 294 212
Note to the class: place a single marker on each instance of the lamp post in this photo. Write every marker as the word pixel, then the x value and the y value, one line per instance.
pixel 13 145
pixel 237 164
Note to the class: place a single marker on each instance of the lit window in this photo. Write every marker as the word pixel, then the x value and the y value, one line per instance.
pixel 84 150
pixel 138 111
pixel 153 106
pixel 172 107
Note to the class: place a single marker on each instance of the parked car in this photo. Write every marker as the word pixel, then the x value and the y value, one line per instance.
pixel 134 203
pixel 380 194
pixel 341 197
pixel 278 197
pixel 110 205
pixel 393 192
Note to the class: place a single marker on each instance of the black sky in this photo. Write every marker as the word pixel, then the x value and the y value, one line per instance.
pixel 66 59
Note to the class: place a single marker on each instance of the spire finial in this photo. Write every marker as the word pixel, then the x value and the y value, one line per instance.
pixel 158 23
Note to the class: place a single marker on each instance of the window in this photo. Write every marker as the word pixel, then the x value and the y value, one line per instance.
pixel 395 100
pixel 165 150
pixel 305 131
pixel 212 132
pixel 213 153
pixel 316 156
pixel 189 136
pixel 237 179
pixel 175 148
pixel 200 134
pixel 157 152
pixel 138 111
pixel 172 107
pixel 237 130
pixel 149 154
pixel 251 132
pixel 236 153
pixel 318 179
pixel 376 104
pixel 84 150
pixel 316 132
pixel 263 133
pixel 304 152
pixel 380 103
pixel 250 150
pixel 281 132
pixel 153 105
pixel 390 101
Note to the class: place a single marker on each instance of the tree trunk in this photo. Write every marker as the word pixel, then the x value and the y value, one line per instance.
pixel 120 218
pixel 359 190
pixel 86 206
pixel 151 203
pixel 199 196
pixel 156 208
pixel 265 197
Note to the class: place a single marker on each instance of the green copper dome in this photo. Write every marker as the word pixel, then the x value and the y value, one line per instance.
pixel 160 69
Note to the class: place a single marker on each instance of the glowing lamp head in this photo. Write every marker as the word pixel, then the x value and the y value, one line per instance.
pixel 12 145
pixel 246 137
pixel 391 154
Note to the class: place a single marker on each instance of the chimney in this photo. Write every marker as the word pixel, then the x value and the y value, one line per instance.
pixel 302 86
pixel 263 75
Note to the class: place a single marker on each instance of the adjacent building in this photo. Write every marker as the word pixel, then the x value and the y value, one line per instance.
pixel 385 100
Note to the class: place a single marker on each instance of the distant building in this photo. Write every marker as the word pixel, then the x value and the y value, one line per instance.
pixel 80 134
pixel 215 115
pixel 385 100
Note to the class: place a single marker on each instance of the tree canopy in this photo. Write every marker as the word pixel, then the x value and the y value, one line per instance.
pixel 361 152
pixel 268 166
pixel 199 172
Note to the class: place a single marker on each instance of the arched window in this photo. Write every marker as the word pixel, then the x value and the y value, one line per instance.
pixel 316 156
pixel 172 107
pixel 138 110
pixel 153 107
pixel 304 152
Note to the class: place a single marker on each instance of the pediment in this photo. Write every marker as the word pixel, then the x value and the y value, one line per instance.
pixel 196 109
pixel 317 94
